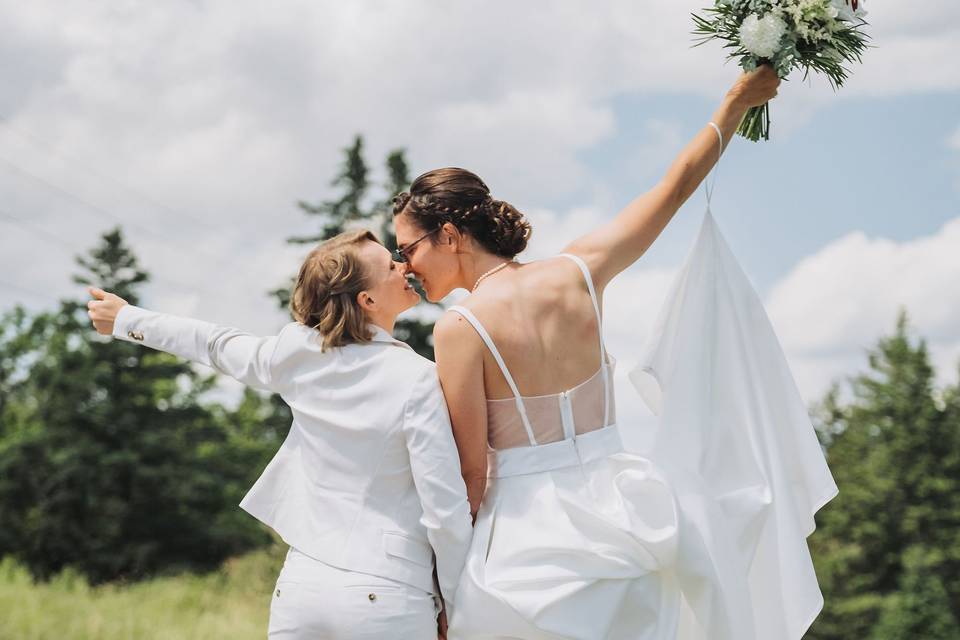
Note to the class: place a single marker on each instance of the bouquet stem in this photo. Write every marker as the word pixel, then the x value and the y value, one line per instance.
pixel 756 123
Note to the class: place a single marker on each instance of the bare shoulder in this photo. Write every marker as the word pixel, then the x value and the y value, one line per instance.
pixel 453 331
pixel 590 257
pixel 545 277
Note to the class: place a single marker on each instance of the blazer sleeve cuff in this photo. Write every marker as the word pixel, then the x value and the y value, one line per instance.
pixel 124 324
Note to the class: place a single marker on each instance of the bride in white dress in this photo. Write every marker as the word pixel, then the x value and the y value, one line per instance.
pixel 574 536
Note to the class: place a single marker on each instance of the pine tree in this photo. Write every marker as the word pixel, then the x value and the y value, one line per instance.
pixel 893 450
pixel 351 209
pixel 337 214
pixel 112 267
pixel 921 607
pixel 398 179
pixel 109 463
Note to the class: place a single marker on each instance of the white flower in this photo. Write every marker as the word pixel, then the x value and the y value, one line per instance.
pixel 846 11
pixel 761 36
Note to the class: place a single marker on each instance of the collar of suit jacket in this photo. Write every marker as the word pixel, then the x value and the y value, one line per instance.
pixel 380 335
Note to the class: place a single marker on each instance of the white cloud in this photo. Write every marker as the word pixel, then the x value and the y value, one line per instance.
pixel 910 45
pixel 954 140
pixel 835 304
pixel 528 120
pixel 226 113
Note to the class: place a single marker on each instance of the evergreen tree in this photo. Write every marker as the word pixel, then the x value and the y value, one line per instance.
pixel 417 333
pixel 351 209
pixel 398 179
pixel 108 461
pixel 113 267
pixel 337 214
pixel 921 607
pixel 893 450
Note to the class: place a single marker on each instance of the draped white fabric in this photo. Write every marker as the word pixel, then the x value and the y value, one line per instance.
pixel 739 450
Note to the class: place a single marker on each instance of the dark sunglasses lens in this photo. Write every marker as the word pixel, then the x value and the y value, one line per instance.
pixel 398 257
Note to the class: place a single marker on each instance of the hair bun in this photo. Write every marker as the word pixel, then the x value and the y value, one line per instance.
pixel 400 201
pixel 511 231
pixel 460 197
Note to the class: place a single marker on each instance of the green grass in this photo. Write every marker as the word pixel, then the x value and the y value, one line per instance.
pixel 233 603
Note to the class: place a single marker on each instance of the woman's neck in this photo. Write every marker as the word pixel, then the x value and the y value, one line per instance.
pixel 473 266
pixel 384 322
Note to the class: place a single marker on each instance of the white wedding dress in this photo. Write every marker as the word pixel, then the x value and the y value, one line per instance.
pixel 702 537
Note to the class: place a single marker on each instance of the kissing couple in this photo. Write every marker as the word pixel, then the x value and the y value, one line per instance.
pixel 487 495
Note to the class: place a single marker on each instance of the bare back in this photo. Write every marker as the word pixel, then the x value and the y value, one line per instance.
pixel 542 320
pixel 570 401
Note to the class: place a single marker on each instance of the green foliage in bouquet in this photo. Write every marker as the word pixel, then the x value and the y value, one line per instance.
pixel 821 36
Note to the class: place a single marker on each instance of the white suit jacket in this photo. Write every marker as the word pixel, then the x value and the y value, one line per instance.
pixel 368 478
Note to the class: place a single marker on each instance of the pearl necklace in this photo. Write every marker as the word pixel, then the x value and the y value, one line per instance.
pixel 488 274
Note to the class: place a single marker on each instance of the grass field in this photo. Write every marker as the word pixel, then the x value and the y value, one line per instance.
pixel 231 603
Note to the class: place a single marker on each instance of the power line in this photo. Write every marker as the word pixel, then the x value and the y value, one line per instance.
pixel 32 228
pixel 99 211
pixel 92 208
pixel 29 292
pixel 26 225
pixel 52 149
pixel 105 214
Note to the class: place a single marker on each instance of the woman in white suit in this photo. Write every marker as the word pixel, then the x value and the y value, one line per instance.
pixel 366 489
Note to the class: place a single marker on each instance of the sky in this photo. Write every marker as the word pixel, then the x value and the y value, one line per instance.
pixel 197 126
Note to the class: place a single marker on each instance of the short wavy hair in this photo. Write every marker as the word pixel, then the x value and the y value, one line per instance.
pixel 325 295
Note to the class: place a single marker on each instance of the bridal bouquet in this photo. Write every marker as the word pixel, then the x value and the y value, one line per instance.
pixel 813 35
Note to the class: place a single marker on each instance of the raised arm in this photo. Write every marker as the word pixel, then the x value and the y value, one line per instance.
pixel 616 245
pixel 247 358
pixel 459 354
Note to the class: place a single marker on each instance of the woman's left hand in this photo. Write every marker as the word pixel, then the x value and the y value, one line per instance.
pixel 103 309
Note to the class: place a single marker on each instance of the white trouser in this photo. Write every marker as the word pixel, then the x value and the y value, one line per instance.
pixel 313 600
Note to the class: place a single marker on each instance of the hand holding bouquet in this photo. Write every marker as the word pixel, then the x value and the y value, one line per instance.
pixel 813 35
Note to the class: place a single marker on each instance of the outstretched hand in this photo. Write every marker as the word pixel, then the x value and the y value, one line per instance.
pixel 103 309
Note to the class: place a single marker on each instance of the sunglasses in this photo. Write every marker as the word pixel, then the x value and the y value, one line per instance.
pixel 403 255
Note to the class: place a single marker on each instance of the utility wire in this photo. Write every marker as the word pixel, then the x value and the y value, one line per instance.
pixel 30 292
pixel 34 229
pixel 27 226
pixel 102 213
pixel 54 150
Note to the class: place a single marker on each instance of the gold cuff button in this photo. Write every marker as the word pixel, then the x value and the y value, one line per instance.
pixel 135 335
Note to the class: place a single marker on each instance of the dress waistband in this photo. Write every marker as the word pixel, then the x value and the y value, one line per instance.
pixel 579 450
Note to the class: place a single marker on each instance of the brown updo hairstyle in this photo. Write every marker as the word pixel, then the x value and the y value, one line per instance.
pixel 461 198
pixel 325 295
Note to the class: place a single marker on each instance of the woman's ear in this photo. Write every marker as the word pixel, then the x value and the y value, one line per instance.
pixel 365 301
pixel 450 235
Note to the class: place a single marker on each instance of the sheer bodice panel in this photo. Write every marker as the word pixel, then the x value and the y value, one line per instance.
pixel 505 428
pixel 541 420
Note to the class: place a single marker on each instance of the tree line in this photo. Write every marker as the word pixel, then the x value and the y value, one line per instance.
pixel 114 461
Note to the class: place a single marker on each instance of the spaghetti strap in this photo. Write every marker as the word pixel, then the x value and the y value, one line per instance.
pixel 472 319
pixel 585 270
